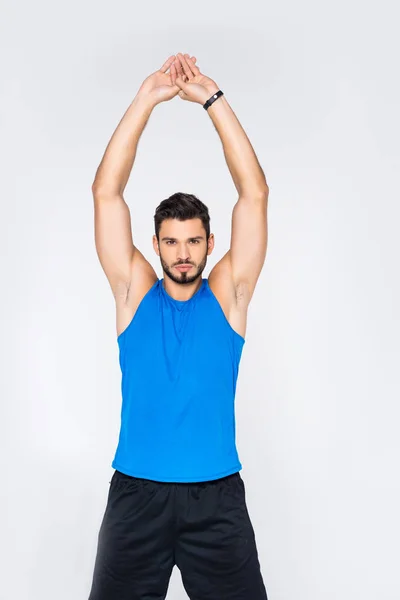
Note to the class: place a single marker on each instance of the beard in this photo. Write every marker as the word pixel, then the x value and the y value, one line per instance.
pixel 184 278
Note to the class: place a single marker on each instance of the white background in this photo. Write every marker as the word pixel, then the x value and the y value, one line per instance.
pixel 316 87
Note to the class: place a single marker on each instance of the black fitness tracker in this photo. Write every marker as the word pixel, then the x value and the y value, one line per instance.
pixel 213 98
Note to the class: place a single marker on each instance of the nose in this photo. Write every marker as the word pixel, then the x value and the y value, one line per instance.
pixel 183 253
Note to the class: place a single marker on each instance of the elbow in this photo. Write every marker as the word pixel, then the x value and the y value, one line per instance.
pixel 100 189
pixel 259 195
pixel 263 193
pixel 95 187
pixel 259 188
pixel 264 189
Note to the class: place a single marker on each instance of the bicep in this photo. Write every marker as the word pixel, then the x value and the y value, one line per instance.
pixel 113 238
pixel 248 240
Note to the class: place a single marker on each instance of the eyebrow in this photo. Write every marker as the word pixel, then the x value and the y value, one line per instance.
pixel 196 237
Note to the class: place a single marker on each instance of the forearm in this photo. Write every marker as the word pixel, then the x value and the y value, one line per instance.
pixel 115 167
pixel 246 172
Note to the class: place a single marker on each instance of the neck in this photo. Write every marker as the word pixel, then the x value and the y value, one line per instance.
pixel 181 291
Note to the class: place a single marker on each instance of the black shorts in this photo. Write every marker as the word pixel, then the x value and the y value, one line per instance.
pixel 204 528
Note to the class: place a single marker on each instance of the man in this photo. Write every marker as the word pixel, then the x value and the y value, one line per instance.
pixel 176 495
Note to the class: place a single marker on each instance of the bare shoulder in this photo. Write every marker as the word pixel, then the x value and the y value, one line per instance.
pixel 128 295
pixel 232 298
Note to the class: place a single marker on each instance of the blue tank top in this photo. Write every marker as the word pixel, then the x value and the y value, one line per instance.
pixel 179 362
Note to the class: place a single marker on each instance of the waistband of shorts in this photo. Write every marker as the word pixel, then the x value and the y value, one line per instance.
pixel 123 476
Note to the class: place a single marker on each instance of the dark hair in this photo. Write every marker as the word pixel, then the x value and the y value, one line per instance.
pixel 182 206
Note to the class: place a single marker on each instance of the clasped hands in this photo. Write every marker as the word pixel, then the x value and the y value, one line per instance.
pixel 179 76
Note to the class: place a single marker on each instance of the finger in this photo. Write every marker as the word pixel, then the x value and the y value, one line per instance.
pixel 167 64
pixel 173 73
pixel 179 81
pixel 169 68
pixel 191 64
pixel 187 70
pixel 178 66
pixel 180 71
pixel 193 57
pixel 195 70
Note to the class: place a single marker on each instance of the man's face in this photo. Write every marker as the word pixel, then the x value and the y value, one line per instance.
pixel 183 249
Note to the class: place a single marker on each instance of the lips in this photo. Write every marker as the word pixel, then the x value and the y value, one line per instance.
pixel 183 268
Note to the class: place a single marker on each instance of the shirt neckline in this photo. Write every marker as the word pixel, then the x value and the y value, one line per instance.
pixel 181 303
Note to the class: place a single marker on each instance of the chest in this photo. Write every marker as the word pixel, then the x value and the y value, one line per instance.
pixel 178 343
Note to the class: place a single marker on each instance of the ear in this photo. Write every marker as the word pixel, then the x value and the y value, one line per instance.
pixel 210 244
pixel 156 246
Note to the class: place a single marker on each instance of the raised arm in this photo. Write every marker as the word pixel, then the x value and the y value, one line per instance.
pixel 112 219
pixel 243 263
pixel 249 216
pixel 122 263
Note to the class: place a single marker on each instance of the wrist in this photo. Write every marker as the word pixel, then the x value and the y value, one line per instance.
pixel 145 101
pixel 216 98
pixel 211 90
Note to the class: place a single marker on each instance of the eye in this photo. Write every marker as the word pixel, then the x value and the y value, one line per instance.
pixel 195 241
pixel 169 242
